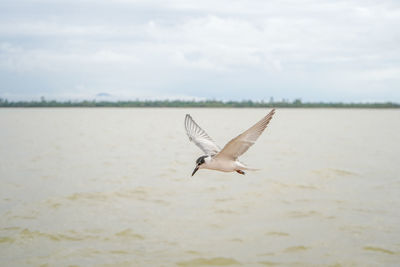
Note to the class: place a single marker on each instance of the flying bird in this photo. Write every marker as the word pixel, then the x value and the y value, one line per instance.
pixel 227 159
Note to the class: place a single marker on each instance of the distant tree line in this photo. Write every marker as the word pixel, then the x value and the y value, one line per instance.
pixel 297 103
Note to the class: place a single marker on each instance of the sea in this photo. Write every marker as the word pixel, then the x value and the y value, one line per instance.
pixel 113 187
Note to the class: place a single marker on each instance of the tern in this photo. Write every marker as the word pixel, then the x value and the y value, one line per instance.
pixel 225 160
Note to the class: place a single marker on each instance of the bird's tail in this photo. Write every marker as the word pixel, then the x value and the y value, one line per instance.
pixel 245 167
pixel 251 169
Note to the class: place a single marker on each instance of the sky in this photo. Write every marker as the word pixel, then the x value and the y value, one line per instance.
pixel 314 50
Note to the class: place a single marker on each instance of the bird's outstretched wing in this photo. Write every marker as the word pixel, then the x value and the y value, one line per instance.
pixel 200 137
pixel 239 145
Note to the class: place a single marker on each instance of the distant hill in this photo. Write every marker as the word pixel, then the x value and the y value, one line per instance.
pixel 103 95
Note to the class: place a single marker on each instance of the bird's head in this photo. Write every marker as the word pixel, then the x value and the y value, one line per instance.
pixel 200 161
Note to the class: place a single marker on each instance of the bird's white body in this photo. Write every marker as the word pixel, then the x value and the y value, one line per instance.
pixel 222 164
pixel 227 158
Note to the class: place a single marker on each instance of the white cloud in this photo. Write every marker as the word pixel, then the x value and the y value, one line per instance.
pixel 382 74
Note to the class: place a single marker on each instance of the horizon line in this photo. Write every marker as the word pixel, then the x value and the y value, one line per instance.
pixel 298 100
pixel 167 103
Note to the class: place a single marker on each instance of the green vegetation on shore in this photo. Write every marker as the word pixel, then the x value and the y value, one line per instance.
pixel 192 103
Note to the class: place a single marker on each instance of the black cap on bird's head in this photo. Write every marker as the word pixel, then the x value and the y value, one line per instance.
pixel 199 162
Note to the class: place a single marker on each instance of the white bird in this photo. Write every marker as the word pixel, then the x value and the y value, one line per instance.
pixel 225 160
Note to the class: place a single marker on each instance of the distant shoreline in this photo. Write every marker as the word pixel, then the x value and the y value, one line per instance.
pixel 191 104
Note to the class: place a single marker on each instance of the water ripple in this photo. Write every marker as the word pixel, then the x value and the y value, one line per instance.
pixel 219 261
pixel 378 249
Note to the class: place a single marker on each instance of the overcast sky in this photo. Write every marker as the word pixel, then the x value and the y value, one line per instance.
pixel 230 50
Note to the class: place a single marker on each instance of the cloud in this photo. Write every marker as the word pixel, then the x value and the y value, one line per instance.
pixel 224 49
pixel 381 74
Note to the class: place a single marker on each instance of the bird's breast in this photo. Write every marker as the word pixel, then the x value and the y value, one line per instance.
pixel 221 165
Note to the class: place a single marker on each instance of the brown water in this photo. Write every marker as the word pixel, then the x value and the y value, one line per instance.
pixel 112 187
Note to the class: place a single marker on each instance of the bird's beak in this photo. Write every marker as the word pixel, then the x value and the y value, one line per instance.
pixel 195 170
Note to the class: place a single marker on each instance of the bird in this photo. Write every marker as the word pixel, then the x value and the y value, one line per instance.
pixel 227 158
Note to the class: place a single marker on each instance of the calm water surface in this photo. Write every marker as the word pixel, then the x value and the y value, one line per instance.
pixel 112 187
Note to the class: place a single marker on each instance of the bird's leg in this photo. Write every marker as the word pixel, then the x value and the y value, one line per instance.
pixel 240 171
